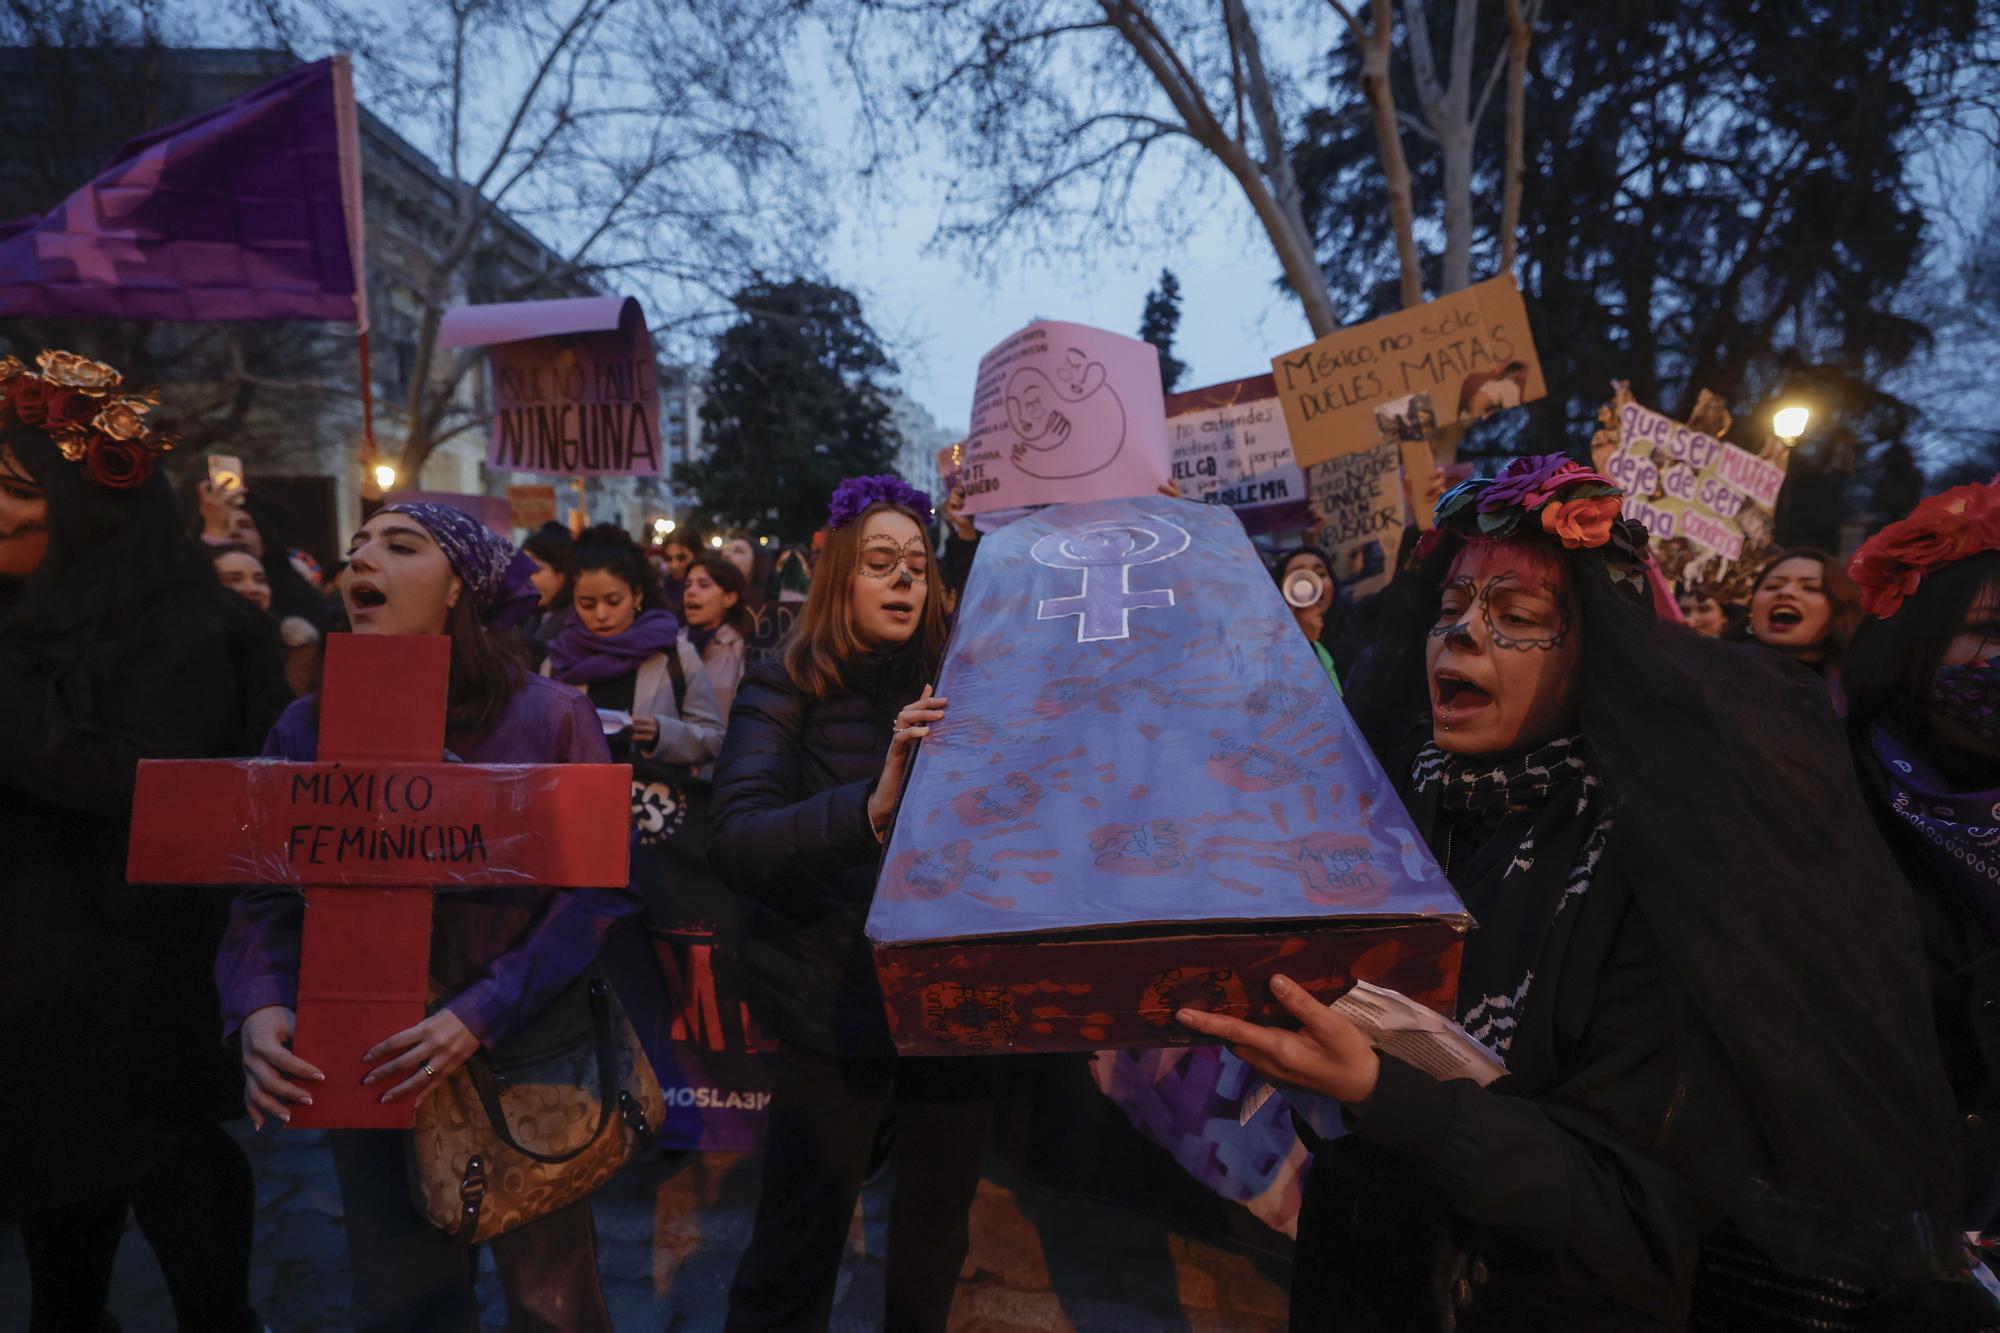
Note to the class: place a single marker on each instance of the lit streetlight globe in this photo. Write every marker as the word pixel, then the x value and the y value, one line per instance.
pixel 1790 422
pixel 385 476
pixel 715 542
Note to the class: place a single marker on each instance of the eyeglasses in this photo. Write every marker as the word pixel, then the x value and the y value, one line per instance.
pixel 881 562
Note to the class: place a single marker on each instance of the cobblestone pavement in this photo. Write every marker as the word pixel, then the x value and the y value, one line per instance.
pixel 670 1231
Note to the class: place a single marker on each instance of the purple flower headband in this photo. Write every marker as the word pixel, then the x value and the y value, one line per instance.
pixel 1550 493
pixel 857 493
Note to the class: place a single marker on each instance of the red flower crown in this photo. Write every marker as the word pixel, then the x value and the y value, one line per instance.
pixel 76 402
pixel 1940 531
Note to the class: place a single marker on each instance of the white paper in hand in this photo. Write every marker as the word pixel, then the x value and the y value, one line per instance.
pixel 1396 1025
pixel 614 720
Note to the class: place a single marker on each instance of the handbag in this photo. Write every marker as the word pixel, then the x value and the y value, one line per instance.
pixel 542 1119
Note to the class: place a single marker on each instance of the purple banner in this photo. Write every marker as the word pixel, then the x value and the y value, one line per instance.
pixel 249 211
pixel 713 1062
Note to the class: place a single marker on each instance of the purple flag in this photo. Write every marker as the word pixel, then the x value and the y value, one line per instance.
pixel 249 211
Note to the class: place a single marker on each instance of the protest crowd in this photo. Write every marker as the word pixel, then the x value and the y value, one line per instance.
pixel 1316 794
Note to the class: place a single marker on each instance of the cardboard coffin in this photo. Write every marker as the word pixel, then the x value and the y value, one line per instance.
pixel 1145 794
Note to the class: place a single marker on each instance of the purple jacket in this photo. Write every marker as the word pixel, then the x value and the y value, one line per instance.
pixel 500 953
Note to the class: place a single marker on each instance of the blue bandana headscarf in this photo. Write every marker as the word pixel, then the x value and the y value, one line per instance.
pixel 495 573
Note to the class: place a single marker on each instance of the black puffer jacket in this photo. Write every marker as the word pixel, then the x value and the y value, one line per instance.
pixel 790 834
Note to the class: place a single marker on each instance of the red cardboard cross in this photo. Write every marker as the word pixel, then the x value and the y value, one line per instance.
pixel 366 832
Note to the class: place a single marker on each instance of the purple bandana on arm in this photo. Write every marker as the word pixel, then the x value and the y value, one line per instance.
pixel 495 573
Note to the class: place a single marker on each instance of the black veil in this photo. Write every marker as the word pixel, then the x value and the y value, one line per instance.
pixel 1805 1007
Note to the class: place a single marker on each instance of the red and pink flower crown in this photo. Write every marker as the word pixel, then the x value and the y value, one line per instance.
pixel 1553 494
pixel 76 402
pixel 1940 531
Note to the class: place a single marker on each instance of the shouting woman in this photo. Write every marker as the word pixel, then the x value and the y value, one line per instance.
pixel 500 955
pixel 1720 1075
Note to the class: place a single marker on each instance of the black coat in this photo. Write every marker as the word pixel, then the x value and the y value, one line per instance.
pixel 110 1037
pixel 1548 1200
pixel 790 835
pixel 1963 962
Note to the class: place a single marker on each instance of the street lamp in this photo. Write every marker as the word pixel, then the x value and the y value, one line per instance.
pixel 1788 423
pixel 763 541
pixel 716 541
pixel 665 527
pixel 385 476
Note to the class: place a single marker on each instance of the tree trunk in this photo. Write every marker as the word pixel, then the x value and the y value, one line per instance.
pixel 1389 142
pixel 1455 146
pixel 418 413
pixel 1517 98
pixel 1284 217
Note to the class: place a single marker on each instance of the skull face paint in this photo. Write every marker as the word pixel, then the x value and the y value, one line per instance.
pixel 1503 651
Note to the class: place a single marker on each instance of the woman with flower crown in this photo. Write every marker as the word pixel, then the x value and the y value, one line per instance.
pixel 1723 1103
pixel 116 644
pixel 810 775
pixel 1923 686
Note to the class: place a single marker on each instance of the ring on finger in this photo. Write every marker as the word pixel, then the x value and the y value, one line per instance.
pixel 428 1071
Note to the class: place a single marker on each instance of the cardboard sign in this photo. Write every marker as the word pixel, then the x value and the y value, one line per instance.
pixel 531 506
pixel 1470 351
pixel 1230 447
pixel 1065 412
pixel 1359 502
pixel 367 832
pixel 1684 484
pixel 574 385
pixel 1114 820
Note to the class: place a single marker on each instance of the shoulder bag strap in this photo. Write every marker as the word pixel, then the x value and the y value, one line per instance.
pixel 607 1082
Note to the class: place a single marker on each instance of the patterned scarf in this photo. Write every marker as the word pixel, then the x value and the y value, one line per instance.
pixel 1520 838
pixel 1958 830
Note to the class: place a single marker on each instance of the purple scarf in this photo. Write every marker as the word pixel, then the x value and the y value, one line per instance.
pixel 578 657
pixel 1959 830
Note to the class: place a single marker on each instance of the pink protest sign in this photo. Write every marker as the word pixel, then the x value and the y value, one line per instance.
pixel 575 389
pixel 1065 412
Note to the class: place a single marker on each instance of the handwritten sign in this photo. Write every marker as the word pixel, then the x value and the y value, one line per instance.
pixel 1230 447
pixel 1470 351
pixel 1065 412
pixel 1358 500
pixel 531 506
pixel 574 386
pixel 1682 483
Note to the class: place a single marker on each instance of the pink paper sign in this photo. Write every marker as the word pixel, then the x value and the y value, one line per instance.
pixel 575 389
pixel 1065 412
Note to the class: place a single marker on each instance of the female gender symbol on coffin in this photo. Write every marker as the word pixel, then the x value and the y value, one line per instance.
pixel 1104 612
